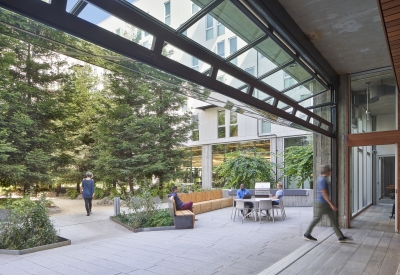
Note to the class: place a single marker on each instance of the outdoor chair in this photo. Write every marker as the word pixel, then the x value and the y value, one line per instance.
pixel 265 205
pixel 233 206
pixel 240 206
pixel 281 207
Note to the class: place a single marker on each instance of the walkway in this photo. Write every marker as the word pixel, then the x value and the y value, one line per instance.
pixel 216 246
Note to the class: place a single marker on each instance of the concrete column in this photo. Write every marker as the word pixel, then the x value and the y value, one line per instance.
pixel 206 159
pixel 279 159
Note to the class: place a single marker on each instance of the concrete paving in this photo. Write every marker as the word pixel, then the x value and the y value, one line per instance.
pixel 217 245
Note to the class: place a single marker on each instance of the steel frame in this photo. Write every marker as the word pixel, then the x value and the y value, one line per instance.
pixel 55 15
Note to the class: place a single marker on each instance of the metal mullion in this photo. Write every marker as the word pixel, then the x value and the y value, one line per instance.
pixel 320 105
pixel 142 20
pixel 277 69
pixel 80 28
pixel 78 7
pixel 203 12
pixel 313 95
pixel 246 48
pixel 269 31
pixel 296 85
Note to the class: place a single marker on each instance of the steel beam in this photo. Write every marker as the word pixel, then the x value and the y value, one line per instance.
pixel 64 21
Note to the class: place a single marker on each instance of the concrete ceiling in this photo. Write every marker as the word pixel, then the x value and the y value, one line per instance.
pixel 348 33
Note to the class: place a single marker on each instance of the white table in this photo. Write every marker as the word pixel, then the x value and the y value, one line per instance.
pixel 255 201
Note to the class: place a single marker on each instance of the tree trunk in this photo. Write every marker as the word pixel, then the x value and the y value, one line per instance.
pixel 131 185
pixel 27 188
pixel 78 187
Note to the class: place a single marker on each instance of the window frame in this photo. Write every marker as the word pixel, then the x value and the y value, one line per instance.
pixel 167 17
pixel 211 29
pixel 221 126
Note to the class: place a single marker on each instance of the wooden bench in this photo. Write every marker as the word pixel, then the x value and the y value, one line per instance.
pixel 206 201
pixel 183 219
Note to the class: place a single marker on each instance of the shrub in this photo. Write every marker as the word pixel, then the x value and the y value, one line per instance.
pixel 27 225
pixel 143 212
pixel 72 193
pixel 99 193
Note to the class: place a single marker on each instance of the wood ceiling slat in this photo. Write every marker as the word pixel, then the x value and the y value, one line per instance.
pixel 393 38
pixel 391 34
pixel 391 11
pixel 389 5
pixel 393 23
pixel 394 28
pixel 385 1
pixel 394 42
pixel 394 47
pixel 392 17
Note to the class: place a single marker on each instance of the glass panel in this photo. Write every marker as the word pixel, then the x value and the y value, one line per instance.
pixel 321 98
pixel 96 15
pixel 323 112
pixel 306 90
pixel 265 127
pixel 325 127
pixel 221 48
pixel 301 115
pixel 183 58
pixel 229 80
pixel 196 164
pixel 221 132
pixel 229 18
pixel 171 13
pixel 221 118
pixel 373 102
pixel 263 96
pixel 233 131
pixel 275 56
pixel 287 77
pixel 233 118
pixel 123 29
pixel 263 147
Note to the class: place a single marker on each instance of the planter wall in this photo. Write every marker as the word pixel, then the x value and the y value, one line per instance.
pixel 147 229
pixel 61 242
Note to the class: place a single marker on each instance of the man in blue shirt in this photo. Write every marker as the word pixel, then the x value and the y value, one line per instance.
pixel 324 206
pixel 278 194
pixel 240 194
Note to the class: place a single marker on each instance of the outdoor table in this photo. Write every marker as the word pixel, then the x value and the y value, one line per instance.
pixel 255 201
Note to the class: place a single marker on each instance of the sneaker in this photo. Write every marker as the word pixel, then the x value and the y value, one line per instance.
pixel 308 237
pixel 344 239
pixel 87 214
pixel 196 220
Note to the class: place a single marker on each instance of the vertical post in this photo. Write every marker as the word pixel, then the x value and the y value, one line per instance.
pixel 334 157
pixel 116 206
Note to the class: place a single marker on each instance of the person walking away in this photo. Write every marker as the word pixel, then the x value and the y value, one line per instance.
pixel 324 206
pixel 88 192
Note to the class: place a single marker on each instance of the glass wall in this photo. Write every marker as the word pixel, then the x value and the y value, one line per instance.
pixel 193 166
pixel 360 178
pixel 250 148
pixel 290 183
pixel 373 102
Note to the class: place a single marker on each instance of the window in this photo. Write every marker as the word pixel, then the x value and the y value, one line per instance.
pixel 195 131
pixel 233 48
pixel 250 70
pixel 146 44
pixel 138 35
pixel 118 31
pixel 221 124
pixel 221 78
pixel 233 125
pixel 195 63
pixel 221 48
pixel 288 81
pixel 265 127
pixel 220 29
pixel 209 27
pixel 195 8
pixel 145 34
pixel 167 9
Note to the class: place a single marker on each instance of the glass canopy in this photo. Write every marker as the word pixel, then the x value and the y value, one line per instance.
pixel 220 39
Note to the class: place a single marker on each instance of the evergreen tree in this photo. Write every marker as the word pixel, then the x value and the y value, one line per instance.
pixel 142 135
pixel 29 95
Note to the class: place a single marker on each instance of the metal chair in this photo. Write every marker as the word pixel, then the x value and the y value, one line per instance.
pixel 281 207
pixel 233 206
pixel 265 205
pixel 240 206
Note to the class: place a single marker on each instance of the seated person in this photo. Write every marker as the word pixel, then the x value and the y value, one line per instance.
pixel 240 194
pixel 178 203
pixel 278 194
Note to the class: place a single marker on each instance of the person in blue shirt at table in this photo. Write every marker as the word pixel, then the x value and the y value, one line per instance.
pixel 240 194
pixel 278 194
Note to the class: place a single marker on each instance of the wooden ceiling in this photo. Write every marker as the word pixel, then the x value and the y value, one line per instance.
pixel 390 15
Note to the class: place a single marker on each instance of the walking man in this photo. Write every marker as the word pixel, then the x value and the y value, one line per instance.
pixel 324 206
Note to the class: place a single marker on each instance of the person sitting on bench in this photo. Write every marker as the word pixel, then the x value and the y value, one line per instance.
pixel 180 205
